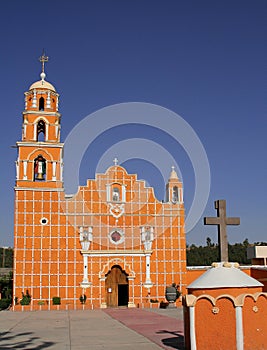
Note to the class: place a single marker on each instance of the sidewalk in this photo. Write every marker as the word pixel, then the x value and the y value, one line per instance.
pixel 96 329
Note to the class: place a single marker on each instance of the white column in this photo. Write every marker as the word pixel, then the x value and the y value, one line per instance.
pixel 181 195
pixel 86 238
pixel 61 170
pixel 46 131
pixel 56 131
pixel 148 279
pixel 123 195
pixel 85 269
pixel 54 167
pixel 34 100
pixel 25 163
pixel 192 328
pixel 239 328
pixel 57 103
pixel 35 132
pixel 17 169
pixel 108 193
pixel 24 130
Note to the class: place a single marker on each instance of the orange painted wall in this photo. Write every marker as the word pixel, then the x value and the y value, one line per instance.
pixel 209 334
pixel 254 323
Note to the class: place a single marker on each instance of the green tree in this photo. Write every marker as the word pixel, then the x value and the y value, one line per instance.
pixel 6 257
pixel 6 287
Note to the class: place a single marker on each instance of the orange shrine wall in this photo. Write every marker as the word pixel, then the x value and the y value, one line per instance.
pixel 48 252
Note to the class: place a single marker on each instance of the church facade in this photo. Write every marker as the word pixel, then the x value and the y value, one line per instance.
pixel 112 243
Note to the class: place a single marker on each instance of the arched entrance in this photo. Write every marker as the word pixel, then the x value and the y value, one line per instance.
pixel 117 287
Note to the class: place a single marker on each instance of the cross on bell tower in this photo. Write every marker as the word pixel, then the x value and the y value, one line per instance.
pixel 43 59
pixel 222 221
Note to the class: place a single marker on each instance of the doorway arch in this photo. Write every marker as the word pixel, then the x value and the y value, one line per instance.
pixel 117 287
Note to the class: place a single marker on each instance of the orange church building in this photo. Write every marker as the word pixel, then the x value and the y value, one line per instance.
pixel 112 241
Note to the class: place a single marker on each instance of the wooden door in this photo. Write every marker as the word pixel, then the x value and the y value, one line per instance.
pixel 116 278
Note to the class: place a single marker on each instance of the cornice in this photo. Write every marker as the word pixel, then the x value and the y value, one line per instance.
pixel 39 144
pixel 42 113
pixel 39 189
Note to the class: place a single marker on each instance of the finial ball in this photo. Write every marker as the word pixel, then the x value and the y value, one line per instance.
pixel 43 75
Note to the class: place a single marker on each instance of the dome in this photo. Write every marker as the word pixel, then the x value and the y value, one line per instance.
pixel 224 275
pixel 173 175
pixel 42 84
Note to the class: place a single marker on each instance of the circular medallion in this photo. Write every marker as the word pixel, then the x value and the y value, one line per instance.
pixel 116 236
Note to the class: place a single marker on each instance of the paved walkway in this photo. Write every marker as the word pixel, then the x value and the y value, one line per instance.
pixel 97 329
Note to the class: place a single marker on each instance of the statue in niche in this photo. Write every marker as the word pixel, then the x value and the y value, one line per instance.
pixel 39 168
pixel 147 237
pixel 116 194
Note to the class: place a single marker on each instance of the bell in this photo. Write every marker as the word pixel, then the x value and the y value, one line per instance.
pixel 39 176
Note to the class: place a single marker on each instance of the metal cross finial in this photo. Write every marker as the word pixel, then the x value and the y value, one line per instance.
pixel 43 59
pixel 115 161
pixel 222 221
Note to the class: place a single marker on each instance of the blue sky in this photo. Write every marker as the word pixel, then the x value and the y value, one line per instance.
pixel 204 60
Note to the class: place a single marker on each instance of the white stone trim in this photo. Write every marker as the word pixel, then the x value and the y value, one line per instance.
pixel 48 100
pixel 108 192
pixel 148 283
pixel 40 144
pixel 25 164
pixel 34 100
pixel 46 131
pixel 192 328
pixel 17 169
pixel 42 113
pixel 116 253
pixel 239 328
pixel 34 132
pixel 56 131
pixel 39 189
pixel 54 167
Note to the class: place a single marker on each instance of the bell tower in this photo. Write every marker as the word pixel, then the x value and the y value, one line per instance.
pixel 174 188
pixel 39 162
pixel 38 190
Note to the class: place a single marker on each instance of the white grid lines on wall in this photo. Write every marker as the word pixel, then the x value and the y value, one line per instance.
pixel 67 260
pixel 75 257
pixel 24 241
pixel 58 255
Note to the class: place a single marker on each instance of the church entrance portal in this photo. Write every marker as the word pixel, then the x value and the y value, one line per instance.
pixel 117 287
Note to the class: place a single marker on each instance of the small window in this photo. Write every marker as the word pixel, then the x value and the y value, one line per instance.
pixel 44 221
pixel 41 131
pixel 41 103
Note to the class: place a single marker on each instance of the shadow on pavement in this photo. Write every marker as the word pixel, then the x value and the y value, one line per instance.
pixel 176 342
pixel 9 340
